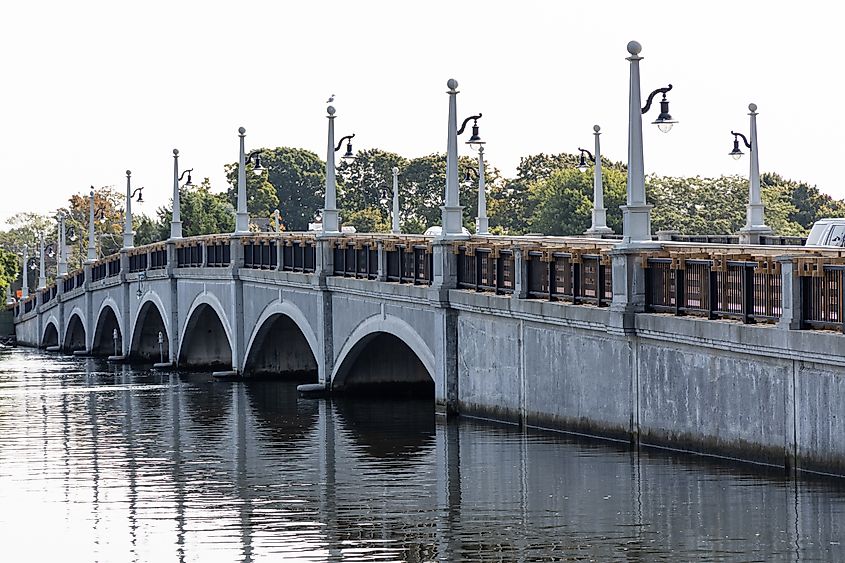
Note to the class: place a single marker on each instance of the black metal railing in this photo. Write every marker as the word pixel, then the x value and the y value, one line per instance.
pixel 138 262
pixel 218 254
pixel 409 263
pixel 98 272
pixel 822 288
pixel 189 255
pixel 570 276
pixel 299 256
pixel 28 305
pixel 715 288
pixel 158 259
pixel 261 255
pixel 356 260
pixel 113 267
pixel 486 269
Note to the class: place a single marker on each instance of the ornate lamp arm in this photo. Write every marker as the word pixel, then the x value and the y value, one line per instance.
pixel 340 143
pixel 653 94
pixel 744 138
pixel 592 158
pixel 188 172
pixel 464 124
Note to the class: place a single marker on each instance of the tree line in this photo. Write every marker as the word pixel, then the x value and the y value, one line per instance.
pixel 548 195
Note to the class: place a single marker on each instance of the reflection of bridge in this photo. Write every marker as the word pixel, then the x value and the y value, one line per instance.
pixel 563 332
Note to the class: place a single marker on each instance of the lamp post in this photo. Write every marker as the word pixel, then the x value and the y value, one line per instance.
pixel 599 224
pixel 242 215
pixel 636 214
pixel 42 274
pixel 128 233
pixel 61 261
pixel 755 224
pixel 394 224
pixel 330 220
pixel 481 221
pixel 176 217
pixel 92 249
pixel 24 274
pixel 452 211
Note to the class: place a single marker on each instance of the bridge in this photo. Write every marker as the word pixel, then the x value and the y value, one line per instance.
pixel 719 349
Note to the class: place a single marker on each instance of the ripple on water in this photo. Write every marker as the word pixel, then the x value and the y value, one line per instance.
pixel 110 463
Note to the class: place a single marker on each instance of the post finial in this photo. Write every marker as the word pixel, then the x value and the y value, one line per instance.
pixel 452 84
pixel 752 107
pixel 634 48
pixel 241 131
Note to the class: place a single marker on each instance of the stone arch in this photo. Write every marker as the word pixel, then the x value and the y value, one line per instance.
pixel 108 320
pixel 400 359
pixel 51 334
pixel 206 339
pixel 75 332
pixel 150 320
pixel 296 350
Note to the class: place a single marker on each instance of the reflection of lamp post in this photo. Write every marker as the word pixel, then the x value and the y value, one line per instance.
pixel 599 224
pixel 394 224
pixel 755 224
pixel 128 233
pixel 330 221
pixel 636 214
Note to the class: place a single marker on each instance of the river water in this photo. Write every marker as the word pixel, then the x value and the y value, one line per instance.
pixel 109 463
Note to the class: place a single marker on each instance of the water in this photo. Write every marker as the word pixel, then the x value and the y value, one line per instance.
pixel 103 463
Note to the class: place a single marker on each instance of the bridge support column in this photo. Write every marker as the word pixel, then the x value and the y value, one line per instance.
pixel 628 290
pixel 445 277
pixel 382 262
pixel 323 267
pixel 126 304
pixel 173 347
pixel 237 312
pixel 89 307
pixel 791 313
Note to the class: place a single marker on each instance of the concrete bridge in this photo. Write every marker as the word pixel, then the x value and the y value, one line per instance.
pixel 722 350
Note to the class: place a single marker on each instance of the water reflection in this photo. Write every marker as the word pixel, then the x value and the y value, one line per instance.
pixel 102 462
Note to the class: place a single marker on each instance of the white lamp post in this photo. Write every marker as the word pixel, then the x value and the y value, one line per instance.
pixel 636 214
pixel 61 261
pixel 330 220
pixel 599 224
pixel 242 216
pixel 42 274
pixel 452 210
pixel 481 221
pixel 755 224
pixel 25 274
pixel 92 249
pixel 395 229
pixel 128 233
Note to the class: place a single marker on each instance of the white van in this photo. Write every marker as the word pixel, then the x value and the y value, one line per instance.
pixel 827 232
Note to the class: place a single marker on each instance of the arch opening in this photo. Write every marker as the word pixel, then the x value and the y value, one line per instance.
pixel 105 343
pixel 50 337
pixel 381 364
pixel 75 335
pixel 205 344
pixel 280 348
pixel 145 339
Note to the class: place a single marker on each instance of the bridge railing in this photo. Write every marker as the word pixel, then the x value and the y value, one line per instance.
pixel 575 275
pixel 409 261
pixel 822 286
pixel 716 287
pixel 357 258
pixel 486 268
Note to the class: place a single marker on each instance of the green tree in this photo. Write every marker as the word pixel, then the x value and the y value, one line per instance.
pixel 560 204
pixel 203 212
pixel 369 220
pixel 9 269
pixel 261 196
pixel 147 231
pixel 363 181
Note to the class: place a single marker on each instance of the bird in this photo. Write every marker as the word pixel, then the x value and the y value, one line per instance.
pixel 331 99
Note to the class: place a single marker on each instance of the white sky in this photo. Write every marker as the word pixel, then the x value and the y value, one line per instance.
pixel 90 89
